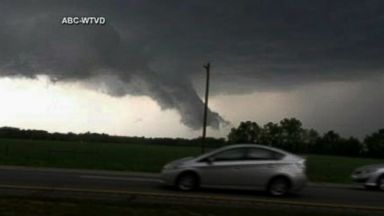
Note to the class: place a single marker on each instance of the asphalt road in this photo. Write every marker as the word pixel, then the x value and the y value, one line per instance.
pixel 351 195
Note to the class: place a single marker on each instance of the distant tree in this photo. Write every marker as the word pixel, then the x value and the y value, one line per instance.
pixel 310 138
pixel 349 147
pixel 292 135
pixel 375 144
pixel 10 132
pixel 326 144
pixel 246 132
pixel 271 135
pixel 333 143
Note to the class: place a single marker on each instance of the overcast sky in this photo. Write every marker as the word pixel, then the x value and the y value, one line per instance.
pixel 141 73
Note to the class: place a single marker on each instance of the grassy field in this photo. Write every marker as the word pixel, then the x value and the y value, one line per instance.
pixel 109 156
pixel 144 158
pixel 38 207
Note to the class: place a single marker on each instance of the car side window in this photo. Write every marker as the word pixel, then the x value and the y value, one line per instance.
pixel 230 155
pixel 262 154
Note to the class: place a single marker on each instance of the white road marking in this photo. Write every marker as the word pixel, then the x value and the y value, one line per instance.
pixel 137 179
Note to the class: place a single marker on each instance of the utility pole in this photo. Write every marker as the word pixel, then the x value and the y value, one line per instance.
pixel 207 68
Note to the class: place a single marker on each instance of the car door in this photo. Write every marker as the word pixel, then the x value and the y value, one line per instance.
pixel 221 169
pixel 261 165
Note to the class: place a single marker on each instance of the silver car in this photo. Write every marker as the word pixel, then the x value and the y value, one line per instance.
pixel 245 166
pixel 372 176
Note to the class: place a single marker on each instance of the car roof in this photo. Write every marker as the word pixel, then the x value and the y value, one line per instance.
pixel 248 145
pixel 252 146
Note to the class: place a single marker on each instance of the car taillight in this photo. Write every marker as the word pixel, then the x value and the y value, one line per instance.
pixel 301 164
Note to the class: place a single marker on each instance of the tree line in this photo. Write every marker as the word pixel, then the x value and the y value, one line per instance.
pixel 290 135
pixel 16 133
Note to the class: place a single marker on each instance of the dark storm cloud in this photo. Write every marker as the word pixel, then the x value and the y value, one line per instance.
pixel 157 48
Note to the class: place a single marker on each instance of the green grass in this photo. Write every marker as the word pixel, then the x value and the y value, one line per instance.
pixel 144 158
pixel 38 207
pixel 110 156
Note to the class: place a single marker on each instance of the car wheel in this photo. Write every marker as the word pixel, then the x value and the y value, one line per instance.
pixel 278 186
pixel 380 183
pixel 187 182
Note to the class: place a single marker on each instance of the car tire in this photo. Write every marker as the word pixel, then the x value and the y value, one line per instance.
pixel 380 183
pixel 278 186
pixel 187 181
